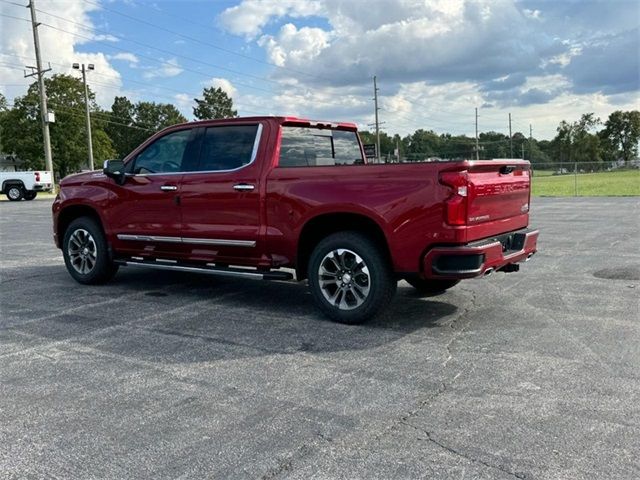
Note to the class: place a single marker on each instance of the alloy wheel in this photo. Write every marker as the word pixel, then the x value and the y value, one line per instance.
pixel 82 251
pixel 344 279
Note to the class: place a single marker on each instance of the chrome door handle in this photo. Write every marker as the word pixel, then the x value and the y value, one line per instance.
pixel 244 187
pixel 168 188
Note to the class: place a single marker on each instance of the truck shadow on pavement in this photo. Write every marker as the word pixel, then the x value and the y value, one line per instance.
pixel 169 317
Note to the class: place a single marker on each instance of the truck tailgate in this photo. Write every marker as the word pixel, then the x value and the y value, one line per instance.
pixel 489 197
pixel 498 190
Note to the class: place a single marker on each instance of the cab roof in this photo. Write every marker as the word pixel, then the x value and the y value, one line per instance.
pixel 280 119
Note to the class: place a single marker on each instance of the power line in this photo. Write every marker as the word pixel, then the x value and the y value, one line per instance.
pixel 119 77
pixel 202 42
pixel 161 62
pixel 168 52
pixel 77 113
pixel 114 87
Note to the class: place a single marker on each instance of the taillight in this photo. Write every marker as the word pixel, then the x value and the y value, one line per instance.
pixel 37 176
pixel 456 205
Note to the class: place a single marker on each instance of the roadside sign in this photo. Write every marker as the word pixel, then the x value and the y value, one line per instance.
pixel 370 150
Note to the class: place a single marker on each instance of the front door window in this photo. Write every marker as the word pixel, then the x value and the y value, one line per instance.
pixel 165 155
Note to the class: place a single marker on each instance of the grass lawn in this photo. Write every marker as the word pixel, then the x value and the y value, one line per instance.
pixel 41 195
pixel 616 183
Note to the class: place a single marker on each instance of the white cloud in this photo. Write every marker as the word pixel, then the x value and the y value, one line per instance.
pixel 535 14
pixel 400 40
pixel 294 45
pixel 184 103
pixel 224 84
pixel 105 38
pixel 250 16
pixel 126 57
pixel 437 60
pixel 16 48
pixel 168 68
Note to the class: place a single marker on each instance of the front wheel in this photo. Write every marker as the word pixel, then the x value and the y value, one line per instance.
pixel 430 286
pixel 350 277
pixel 15 193
pixel 86 254
pixel 30 195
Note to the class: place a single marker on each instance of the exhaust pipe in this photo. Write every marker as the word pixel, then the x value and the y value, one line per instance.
pixel 488 272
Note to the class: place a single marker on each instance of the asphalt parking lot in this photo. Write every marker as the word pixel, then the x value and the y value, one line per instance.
pixel 161 375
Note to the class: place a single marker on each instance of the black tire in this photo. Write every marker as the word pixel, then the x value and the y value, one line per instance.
pixel 30 195
pixel 15 193
pixel 84 235
pixel 380 284
pixel 430 286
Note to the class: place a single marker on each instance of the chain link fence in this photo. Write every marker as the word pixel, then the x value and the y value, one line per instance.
pixel 586 179
pixel 567 179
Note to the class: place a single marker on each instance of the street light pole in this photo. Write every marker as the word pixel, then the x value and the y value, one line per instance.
pixel 86 108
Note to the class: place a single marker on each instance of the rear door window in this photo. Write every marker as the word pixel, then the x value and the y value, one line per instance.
pixel 313 147
pixel 228 147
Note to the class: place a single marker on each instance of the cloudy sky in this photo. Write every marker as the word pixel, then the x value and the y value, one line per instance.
pixel 436 60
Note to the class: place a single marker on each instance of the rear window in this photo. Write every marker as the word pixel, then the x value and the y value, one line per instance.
pixel 313 147
pixel 227 148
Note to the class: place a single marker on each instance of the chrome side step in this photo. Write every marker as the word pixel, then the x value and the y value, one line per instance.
pixel 211 270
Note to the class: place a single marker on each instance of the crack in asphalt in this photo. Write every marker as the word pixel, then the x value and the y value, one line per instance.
pixel 463 329
pixel 286 465
pixel 464 455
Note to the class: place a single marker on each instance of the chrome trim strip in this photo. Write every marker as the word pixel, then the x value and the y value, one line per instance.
pixel 254 154
pixel 198 241
pixel 220 242
pixel 149 238
pixel 256 144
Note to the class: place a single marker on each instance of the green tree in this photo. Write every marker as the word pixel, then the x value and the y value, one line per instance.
pixel 422 144
pixel 575 142
pixel 215 103
pixel 493 145
pixel 131 124
pixel 22 132
pixel 622 133
pixel 120 127
pixel 387 143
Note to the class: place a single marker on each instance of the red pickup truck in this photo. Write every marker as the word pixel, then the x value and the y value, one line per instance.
pixel 262 197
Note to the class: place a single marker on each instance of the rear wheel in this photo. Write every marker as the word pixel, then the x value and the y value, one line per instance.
pixel 30 195
pixel 430 286
pixel 86 254
pixel 350 277
pixel 15 193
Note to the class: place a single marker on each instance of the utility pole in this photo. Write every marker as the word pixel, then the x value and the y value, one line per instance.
pixel 44 113
pixel 477 144
pixel 522 145
pixel 398 149
pixel 530 141
pixel 375 99
pixel 510 139
pixel 86 110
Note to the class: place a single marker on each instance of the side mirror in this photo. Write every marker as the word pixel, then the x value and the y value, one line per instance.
pixel 114 169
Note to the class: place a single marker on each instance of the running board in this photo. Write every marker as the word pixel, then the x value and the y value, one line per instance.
pixel 211 270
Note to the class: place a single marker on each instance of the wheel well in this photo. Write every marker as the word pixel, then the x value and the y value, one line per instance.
pixel 8 183
pixel 72 212
pixel 324 225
